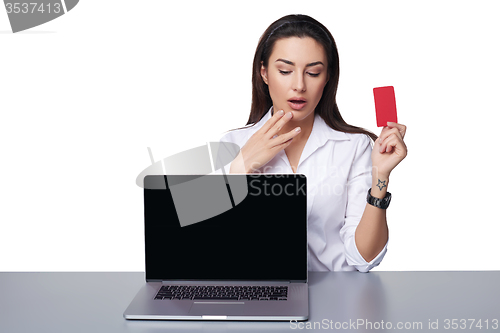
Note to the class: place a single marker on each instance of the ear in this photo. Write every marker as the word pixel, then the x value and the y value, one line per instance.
pixel 263 72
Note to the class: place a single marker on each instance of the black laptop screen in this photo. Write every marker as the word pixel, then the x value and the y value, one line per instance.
pixel 256 227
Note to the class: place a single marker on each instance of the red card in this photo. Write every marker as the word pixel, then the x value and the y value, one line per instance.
pixel 385 105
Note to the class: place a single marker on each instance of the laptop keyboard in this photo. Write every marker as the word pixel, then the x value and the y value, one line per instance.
pixel 250 293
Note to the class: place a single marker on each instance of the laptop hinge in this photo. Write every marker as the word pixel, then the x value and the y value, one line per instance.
pixel 225 282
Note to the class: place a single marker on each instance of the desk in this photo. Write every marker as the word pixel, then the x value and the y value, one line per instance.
pixel 94 302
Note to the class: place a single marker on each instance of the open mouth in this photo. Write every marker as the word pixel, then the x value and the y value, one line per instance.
pixel 296 104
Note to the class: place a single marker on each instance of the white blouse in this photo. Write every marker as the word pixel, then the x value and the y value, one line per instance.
pixel 338 170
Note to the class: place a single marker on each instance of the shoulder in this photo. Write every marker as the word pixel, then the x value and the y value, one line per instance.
pixel 355 143
pixel 239 136
pixel 362 143
pixel 323 132
pixel 359 139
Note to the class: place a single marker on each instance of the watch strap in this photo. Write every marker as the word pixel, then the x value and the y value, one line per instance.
pixel 377 202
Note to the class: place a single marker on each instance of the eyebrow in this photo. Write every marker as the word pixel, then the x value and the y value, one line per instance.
pixel 293 64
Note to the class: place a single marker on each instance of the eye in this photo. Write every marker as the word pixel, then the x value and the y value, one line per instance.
pixel 284 72
pixel 314 74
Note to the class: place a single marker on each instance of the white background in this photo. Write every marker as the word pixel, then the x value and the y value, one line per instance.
pixel 82 97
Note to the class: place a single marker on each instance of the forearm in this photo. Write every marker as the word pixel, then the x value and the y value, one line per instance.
pixel 238 165
pixel 372 232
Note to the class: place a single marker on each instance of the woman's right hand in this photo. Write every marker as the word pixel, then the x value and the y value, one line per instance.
pixel 263 145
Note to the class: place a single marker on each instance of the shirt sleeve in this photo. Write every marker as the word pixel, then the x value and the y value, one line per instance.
pixel 358 183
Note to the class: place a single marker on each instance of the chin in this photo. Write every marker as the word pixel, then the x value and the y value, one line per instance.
pixel 299 115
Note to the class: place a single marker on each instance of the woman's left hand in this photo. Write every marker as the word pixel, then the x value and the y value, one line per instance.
pixel 389 149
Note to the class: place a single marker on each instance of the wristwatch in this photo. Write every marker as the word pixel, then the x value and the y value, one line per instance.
pixel 377 202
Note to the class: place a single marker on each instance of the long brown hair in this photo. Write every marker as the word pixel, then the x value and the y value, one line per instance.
pixel 300 26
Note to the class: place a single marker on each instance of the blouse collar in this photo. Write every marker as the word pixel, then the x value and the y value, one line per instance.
pixel 320 134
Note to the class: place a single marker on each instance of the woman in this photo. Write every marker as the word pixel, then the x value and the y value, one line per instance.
pixel 297 127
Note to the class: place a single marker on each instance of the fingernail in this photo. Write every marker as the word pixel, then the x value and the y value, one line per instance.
pixel 297 129
pixel 289 115
pixel 281 112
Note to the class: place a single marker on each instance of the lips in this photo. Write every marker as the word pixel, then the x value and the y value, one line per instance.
pixel 297 103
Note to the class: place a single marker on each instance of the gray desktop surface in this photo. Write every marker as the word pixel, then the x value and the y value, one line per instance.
pixel 94 302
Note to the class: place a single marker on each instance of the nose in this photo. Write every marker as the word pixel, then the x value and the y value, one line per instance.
pixel 299 84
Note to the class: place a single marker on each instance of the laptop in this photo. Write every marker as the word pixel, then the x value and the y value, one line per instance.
pixel 224 247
